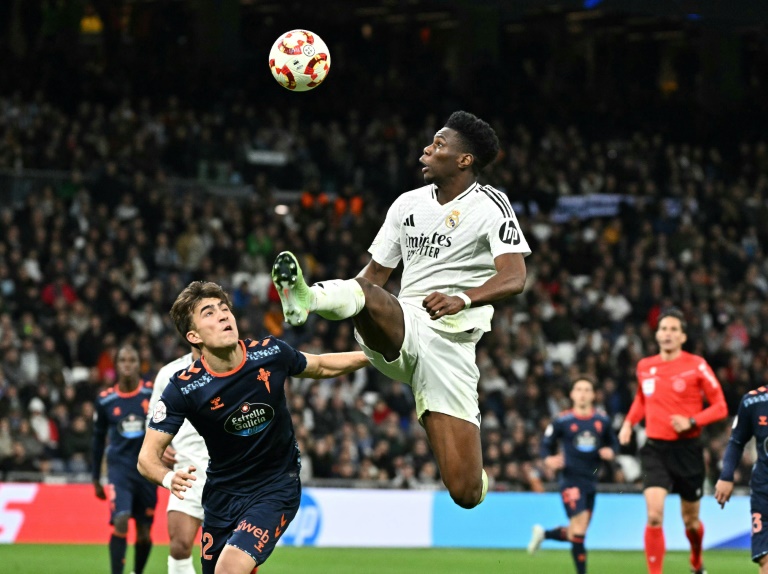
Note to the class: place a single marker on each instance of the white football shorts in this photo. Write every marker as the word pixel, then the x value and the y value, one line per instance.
pixel 193 497
pixel 440 367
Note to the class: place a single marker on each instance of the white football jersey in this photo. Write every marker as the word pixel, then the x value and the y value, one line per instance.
pixel 188 443
pixel 448 248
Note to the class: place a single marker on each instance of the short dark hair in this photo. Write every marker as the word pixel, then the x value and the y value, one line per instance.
pixel 477 136
pixel 181 311
pixel 675 313
pixel 584 377
pixel 128 346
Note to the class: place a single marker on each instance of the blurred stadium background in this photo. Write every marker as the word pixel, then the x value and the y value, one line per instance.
pixel 144 144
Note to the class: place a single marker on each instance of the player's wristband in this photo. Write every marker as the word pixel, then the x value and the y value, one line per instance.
pixel 167 479
pixel 693 422
pixel 464 297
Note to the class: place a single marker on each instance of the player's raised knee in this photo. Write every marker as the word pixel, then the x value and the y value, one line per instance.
pixel 466 498
pixel 466 493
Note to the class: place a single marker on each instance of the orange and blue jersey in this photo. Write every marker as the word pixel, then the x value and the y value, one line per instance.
pixel 242 415
pixel 751 421
pixel 581 438
pixel 121 418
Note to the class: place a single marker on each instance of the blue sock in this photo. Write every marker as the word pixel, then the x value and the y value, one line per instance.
pixel 117 545
pixel 142 555
pixel 579 553
pixel 560 533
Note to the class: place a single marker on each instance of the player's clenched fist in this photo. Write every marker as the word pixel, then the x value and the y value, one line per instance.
pixel 439 304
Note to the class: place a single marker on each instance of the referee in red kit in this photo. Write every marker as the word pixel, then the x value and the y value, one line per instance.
pixel 671 390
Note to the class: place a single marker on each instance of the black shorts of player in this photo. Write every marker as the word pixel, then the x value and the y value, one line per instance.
pixel 251 522
pixel 758 504
pixel 577 497
pixel 130 493
pixel 675 465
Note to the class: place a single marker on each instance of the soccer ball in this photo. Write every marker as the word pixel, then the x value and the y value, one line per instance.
pixel 299 60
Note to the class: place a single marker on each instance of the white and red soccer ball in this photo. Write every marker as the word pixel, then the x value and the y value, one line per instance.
pixel 299 60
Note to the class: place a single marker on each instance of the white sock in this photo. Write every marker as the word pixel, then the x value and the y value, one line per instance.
pixel 184 566
pixel 338 299
pixel 484 477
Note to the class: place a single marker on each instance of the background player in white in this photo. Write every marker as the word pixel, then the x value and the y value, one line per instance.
pixel 462 249
pixel 187 448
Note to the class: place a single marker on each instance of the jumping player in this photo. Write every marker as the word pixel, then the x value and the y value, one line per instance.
pixel 187 448
pixel 120 413
pixel 587 439
pixel 234 396
pixel 462 250
pixel 751 421
pixel 670 393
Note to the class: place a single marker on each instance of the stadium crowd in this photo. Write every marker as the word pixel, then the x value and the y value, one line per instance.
pixel 97 257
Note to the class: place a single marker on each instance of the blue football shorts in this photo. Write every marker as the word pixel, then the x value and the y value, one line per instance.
pixel 131 493
pixel 253 522
pixel 577 497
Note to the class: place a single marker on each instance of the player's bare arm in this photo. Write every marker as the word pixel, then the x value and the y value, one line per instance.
pixel 333 364
pixel 152 467
pixel 376 273
pixel 509 280
pixel 169 456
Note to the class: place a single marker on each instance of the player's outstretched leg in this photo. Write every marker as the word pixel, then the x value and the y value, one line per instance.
pixel 335 299
pixel 295 296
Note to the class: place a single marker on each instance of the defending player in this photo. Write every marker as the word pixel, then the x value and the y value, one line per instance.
pixel 187 448
pixel 120 413
pixel 462 249
pixel 671 388
pixel 587 439
pixel 234 395
pixel 751 421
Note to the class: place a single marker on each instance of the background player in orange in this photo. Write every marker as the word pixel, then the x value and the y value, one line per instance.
pixel 671 388
pixel 121 413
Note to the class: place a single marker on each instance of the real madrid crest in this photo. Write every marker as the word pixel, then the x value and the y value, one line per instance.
pixel 453 219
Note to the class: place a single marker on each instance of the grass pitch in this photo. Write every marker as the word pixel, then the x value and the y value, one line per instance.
pixel 91 559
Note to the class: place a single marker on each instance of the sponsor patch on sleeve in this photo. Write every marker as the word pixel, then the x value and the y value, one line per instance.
pixel 159 413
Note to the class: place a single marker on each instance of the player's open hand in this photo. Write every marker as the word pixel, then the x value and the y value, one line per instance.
pixel 99 490
pixel 169 456
pixel 555 462
pixel 439 305
pixel 181 481
pixel 723 491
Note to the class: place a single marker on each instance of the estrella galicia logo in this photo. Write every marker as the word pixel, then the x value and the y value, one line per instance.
pixel 508 233
pixel 585 441
pixel 131 426
pixel 305 528
pixel 249 419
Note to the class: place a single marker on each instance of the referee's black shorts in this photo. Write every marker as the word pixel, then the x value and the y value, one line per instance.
pixel 675 465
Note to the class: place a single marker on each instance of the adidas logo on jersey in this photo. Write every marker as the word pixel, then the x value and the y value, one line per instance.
pixel 409 221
